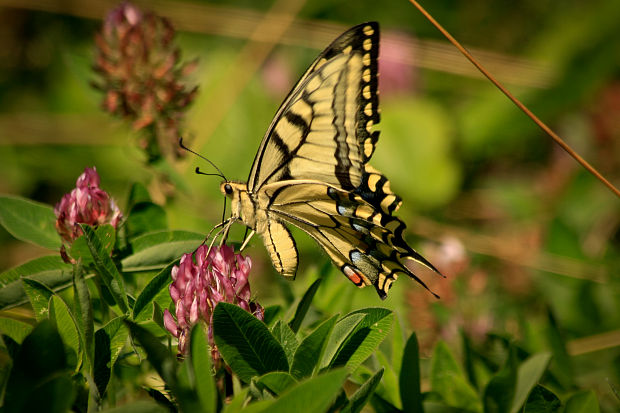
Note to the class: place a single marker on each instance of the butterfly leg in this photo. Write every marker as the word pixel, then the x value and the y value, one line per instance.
pixel 226 224
pixel 225 230
pixel 214 228
pixel 246 240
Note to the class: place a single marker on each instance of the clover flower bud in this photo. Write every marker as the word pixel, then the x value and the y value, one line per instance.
pixel 142 76
pixel 86 204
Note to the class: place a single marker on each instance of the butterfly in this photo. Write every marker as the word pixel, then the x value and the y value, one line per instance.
pixel 311 171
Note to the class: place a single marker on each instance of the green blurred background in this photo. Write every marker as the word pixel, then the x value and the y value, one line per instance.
pixel 518 227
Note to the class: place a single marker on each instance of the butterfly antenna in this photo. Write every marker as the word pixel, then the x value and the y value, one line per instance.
pixel 221 174
pixel 199 172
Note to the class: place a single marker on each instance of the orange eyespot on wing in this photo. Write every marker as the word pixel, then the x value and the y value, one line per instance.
pixel 355 276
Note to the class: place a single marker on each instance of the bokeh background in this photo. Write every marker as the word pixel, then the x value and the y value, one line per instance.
pixel 522 232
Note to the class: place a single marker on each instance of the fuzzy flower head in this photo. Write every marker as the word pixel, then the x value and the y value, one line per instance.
pixel 202 281
pixel 86 204
pixel 141 74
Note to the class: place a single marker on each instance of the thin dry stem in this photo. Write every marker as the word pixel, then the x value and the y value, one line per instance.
pixel 520 105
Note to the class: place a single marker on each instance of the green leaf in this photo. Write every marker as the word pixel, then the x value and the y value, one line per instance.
pixel 109 342
pixel 245 343
pixel 255 407
pixel 68 330
pixel 158 315
pixel 380 405
pixel 140 406
pixel 79 248
pixel 342 331
pixel 184 389
pixel 529 373
pixel 117 333
pixel 468 360
pixel 33 267
pixel 106 269
pixel 340 403
pixel 39 296
pixel 359 399
pixel 154 287
pixel 436 407
pixel 582 402
pixel 311 396
pixel 390 389
pixel 237 402
pixel 365 338
pixel 271 312
pixel 159 255
pixel 448 380
pixel 158 355
pixel 542 400
pixel 409 383
pixel 154 238
pixel 84 312
pixel 398 345
pixel 49 270
pixel 499 392
pixel 39 360
pixel 276 382
pixel 15 329
pixel 161 399
pixel 310 350
pixel 200 356
pixel 29 221
pixel 145 217
pixel 303 306
pixel 285 336
pixel 102 365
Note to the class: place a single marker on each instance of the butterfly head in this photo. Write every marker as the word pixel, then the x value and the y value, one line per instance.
pixel 240 203
pixel 232 189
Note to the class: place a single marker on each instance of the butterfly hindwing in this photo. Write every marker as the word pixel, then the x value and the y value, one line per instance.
pixel 363 241
pixel 375 189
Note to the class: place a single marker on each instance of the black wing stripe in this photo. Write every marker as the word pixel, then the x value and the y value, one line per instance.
pixel 298 121
pixel 343 162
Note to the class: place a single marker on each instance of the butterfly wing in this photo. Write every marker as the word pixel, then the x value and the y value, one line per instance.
pixel 311 170
pixel 323 129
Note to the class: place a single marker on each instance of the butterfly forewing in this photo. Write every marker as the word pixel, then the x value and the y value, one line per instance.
pixel 323 129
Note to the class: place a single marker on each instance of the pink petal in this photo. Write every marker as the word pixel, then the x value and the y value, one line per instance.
pixel 174 293
pixel 193 312
pixel 170 323
pixel 181 314
pixel 244 304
